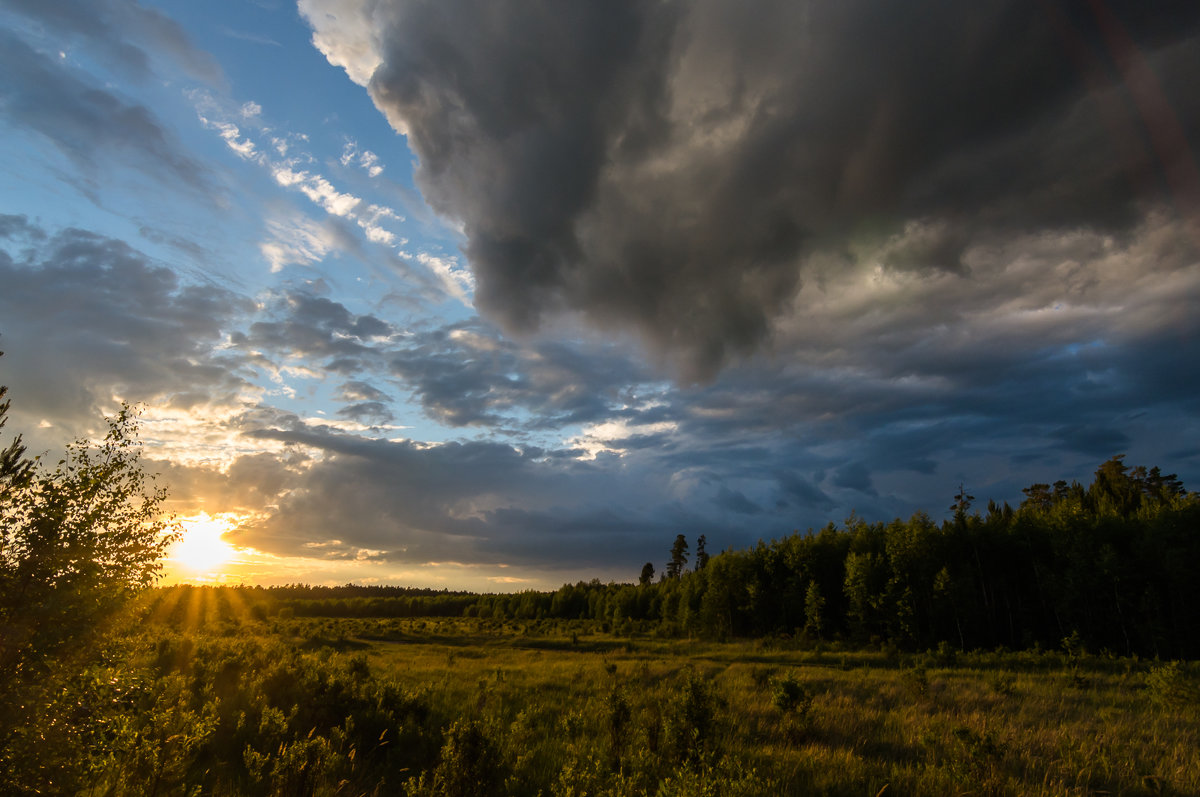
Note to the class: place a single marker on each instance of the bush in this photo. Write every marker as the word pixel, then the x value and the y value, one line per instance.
pixel 1172 686
pixel 470 766
pixel 78 541
pixel 691 720
pixel 789 696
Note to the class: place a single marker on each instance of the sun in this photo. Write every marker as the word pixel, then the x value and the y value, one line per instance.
pixel 201 550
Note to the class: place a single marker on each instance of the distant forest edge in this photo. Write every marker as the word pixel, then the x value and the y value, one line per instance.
pixel 1114 566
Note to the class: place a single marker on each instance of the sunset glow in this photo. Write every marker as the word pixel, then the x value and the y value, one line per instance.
pixel 396 313
pixel 202 552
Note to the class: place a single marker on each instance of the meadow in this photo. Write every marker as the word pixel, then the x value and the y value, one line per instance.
pixel 1045 650
pixel 210 701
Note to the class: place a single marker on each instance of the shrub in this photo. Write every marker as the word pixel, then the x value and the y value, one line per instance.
pixel 1172 686
pixel 692 718
pixel 470 766
pixel 789 696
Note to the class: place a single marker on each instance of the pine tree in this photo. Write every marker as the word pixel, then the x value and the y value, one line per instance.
pixel 678 557
pixel 647 575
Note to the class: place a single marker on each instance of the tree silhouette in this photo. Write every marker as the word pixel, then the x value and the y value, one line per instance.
pixel 14 467
pixel 647 575
pixel 678 557
pixel 75 542
pixel 962 501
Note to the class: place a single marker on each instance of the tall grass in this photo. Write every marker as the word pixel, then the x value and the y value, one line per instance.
pixel 468 706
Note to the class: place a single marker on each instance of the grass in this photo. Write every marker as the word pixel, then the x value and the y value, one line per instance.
pixel 559 708
pixel 1036 724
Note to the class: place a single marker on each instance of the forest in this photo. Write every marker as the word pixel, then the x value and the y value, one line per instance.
pixel 1110 564
pixel 1046 649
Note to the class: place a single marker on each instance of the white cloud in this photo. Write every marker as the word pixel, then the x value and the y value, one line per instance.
pixel 307 248
pixel 606 437
pixel 244 147
pixel 457 281
pixel 342 31
pixel 378 234
pixel 368 160
pixel 297 241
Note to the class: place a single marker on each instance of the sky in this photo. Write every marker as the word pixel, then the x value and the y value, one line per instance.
pixel 496 295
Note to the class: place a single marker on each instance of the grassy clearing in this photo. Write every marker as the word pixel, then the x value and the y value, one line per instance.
pixel 572 712
pixel 199 701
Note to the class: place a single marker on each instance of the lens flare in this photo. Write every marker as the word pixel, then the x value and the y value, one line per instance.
pixel 201 550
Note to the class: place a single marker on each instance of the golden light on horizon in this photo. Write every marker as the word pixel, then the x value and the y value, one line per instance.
pixel 202 550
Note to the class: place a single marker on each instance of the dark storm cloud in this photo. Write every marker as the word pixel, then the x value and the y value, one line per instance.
pixel 85 316
pixel 470 502
pixel 88 124
pixel 855 476
pixel 670 168
pixel 801 491
pixel 1095 441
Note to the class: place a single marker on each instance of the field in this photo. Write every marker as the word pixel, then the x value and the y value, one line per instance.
pixel 467 706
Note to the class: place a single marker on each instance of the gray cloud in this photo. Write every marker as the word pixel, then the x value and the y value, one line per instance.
pixel 468 502
pixel 304 325
pixel 88 124
pixel 673 168
pixel 87 317
pixel 467 374
pixel 369 413
pixel 355 390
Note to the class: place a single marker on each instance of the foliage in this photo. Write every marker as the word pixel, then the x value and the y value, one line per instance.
pixel 1173 685
pixel 469 766
pixel 678 563
pixel 789 695
pixel 1108 565
pixel 647 576
pixel 14 467
pixel 78 540
pixel 246 706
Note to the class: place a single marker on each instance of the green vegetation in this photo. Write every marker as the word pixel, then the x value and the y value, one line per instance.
pixel 1110 565
pixel 77 541
pixel 1042 651
pixel 212 701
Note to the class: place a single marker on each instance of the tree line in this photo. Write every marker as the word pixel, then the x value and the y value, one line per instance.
pixel 1110 565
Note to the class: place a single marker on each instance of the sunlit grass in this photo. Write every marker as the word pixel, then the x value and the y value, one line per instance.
pixel 988 723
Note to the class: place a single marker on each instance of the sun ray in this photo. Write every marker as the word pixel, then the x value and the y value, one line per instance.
pixel 202 555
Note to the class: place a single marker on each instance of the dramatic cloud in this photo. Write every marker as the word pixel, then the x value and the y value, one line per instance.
pixel 871 252
pixel 472 502
pixel 89 321
pixel 468 375
pixel 676 168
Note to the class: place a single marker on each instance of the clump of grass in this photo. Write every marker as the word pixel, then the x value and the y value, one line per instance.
pixel 692 720
pixel 762 676
pixel 916 681
pixel 1172 686
pixel 790 696
pixel 1003 683
pixel 946 654
pixel 470 766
